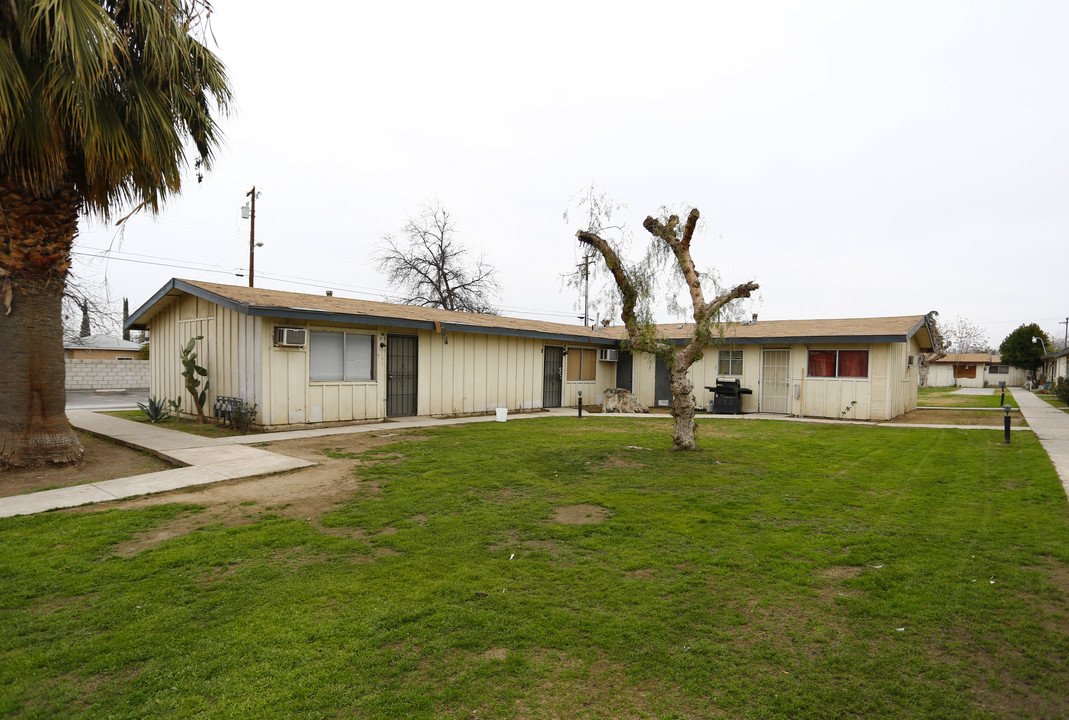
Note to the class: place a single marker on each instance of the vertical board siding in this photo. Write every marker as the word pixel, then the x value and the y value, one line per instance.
pixel 476 373
pixel 225 352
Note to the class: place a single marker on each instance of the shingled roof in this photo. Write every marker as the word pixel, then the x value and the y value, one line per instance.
pixel 970 359
pixel 323 308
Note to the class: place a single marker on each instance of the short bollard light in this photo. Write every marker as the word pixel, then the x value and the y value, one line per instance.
pixel 1006 424
pixel 580 404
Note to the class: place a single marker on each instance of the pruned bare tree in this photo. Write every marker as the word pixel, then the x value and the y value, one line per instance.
pixel 940 345
pixel 670 245
pixel 432 268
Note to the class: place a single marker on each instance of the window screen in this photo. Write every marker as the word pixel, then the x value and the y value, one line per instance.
pixel 730 362
pixel 341 357
pixel 854 363
pixel 821 363
pixel 582 364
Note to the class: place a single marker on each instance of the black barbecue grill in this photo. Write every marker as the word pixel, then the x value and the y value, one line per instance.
pixel 727 398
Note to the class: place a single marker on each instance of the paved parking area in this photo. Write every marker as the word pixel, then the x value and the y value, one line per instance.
pixel 126 399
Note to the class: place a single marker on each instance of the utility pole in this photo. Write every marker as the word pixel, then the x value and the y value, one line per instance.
pixel 586 289
pixel 249 211
pixel 1065 342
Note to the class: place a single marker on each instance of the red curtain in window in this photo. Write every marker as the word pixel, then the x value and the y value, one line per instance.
pixel 853 363
pixel 821 363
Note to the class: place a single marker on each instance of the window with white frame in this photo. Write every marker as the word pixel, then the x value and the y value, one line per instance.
pixel 341 357
pixel 730 362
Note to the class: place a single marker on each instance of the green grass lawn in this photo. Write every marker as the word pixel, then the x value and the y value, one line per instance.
pixel 193 427
pixel 789 571
pixel 1053 400
pixel 945 397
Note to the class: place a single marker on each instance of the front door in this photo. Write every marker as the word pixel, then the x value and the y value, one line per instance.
pixel 402 357
pixel 624 367
pixel 662 385
pixel 775 381
pixel 552 376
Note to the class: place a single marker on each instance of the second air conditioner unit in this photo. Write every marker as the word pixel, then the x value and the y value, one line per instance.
pixel 608 355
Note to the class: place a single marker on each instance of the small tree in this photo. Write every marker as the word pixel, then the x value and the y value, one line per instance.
pixel 193 373
pixel 1019 350
pixel 433 267
pixel 634 283
pixel 85 330
pixel 125 317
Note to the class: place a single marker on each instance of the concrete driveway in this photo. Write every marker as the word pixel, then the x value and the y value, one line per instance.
pixel 106 399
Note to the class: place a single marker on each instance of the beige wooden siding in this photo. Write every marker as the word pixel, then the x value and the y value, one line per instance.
pixel 227 352
pixel 905 377
pixel 292 399
pixel 593 390
pixel 844 398
pixel 475 373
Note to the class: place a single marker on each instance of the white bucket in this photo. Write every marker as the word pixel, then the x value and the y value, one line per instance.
pixel 502 414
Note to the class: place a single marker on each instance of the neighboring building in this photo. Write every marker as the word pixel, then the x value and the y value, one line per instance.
pixel 311 358
pixel 100 347
pixel 975 370
pixel 1056 365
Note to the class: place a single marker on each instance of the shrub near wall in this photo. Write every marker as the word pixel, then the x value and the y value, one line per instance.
pixel 107 374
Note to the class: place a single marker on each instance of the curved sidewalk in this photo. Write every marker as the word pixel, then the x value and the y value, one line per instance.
pixel 1051 426
pixel 204 460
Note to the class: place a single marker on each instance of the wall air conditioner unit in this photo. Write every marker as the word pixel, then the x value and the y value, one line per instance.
pixel 290 337
pixel 608 355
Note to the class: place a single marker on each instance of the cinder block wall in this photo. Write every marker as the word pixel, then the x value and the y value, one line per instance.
pixel 107 374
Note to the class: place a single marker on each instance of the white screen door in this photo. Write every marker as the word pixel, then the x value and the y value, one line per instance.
pixel 775 381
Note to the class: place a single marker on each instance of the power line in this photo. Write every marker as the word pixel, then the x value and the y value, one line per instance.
pixel 375 293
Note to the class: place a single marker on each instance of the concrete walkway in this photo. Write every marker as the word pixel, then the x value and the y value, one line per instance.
pixel 204 460
pixel 210 460
pixel 1051 426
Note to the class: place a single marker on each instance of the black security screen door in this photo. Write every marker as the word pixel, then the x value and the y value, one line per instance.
pixel 662 385
pixel 624 367
pixel 402 355
pixel 551 377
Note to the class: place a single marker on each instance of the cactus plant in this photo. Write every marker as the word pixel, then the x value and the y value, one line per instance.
pixel 193 373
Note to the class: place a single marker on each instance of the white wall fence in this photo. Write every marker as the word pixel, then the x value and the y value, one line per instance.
pixel 107 374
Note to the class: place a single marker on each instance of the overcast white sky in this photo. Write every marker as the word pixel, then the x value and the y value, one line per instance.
pixel 856 159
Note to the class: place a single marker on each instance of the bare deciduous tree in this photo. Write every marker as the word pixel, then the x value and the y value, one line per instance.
pixel 669 241
pixel 433 268
pixel 965 336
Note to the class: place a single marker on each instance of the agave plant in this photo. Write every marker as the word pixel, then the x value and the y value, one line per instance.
pixel 156 410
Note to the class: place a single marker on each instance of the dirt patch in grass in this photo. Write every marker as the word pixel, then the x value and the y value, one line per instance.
pixel 567 687
pixel 580 514
pixel 986 418
pixel 840 572
pixel 305 494
pixel 103 460
pixel 617 463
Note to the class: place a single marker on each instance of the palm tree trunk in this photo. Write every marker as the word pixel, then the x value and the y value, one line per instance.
pixel 35 241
